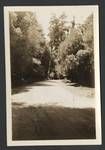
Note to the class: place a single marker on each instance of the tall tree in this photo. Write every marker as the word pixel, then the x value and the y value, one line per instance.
pixel 77 53
pixel 27 44
pixel 57 34
pixel 87 29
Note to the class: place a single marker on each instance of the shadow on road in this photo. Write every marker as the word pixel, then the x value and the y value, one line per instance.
pixel 69 83
pixel 27 87
pixel 52 122
pixel 20 90
pixel 41 84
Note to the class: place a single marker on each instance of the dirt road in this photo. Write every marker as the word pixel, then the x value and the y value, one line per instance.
pixel 53 109
pixel 55 92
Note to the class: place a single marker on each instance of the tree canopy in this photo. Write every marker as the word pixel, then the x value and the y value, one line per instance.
pixel 27 43
pixel 69 53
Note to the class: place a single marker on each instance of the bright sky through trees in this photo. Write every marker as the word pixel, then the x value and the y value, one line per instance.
pixel 79 12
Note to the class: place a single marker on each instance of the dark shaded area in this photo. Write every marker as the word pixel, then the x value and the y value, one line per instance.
pixel 29 59
pixel 52 122
pixel 74 84
pixel 82 78
pixel 41 84
pixel 27 86
pixel 20 90
pixel 18 104
pixel 24 82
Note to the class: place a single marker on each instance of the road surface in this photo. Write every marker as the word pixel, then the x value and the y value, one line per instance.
pixel 54 92
pixel 50 110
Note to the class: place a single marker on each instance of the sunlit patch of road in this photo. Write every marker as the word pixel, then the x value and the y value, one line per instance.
pixel 53 92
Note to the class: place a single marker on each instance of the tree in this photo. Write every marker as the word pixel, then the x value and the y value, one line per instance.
pixel 87 29
pixel 57 34
pixel 88 38
pixel 57 31
pixel 77 55
pixel 85 67
pixel 28 47
pixel 68 49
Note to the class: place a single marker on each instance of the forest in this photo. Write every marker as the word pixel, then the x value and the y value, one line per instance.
pixel 68 53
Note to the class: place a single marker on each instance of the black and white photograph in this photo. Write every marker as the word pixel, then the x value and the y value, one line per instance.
pixel 52 75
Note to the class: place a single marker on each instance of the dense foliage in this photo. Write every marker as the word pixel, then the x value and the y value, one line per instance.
pixel 28 48
pixel 57 35
pixel 75 54
pixel 68 53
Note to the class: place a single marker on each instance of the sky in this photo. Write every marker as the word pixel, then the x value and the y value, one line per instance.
pixel 44 14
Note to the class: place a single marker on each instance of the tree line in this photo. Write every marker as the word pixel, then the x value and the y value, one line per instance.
pixel 67 54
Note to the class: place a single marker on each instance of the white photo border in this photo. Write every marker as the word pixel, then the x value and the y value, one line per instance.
pixel 10 142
